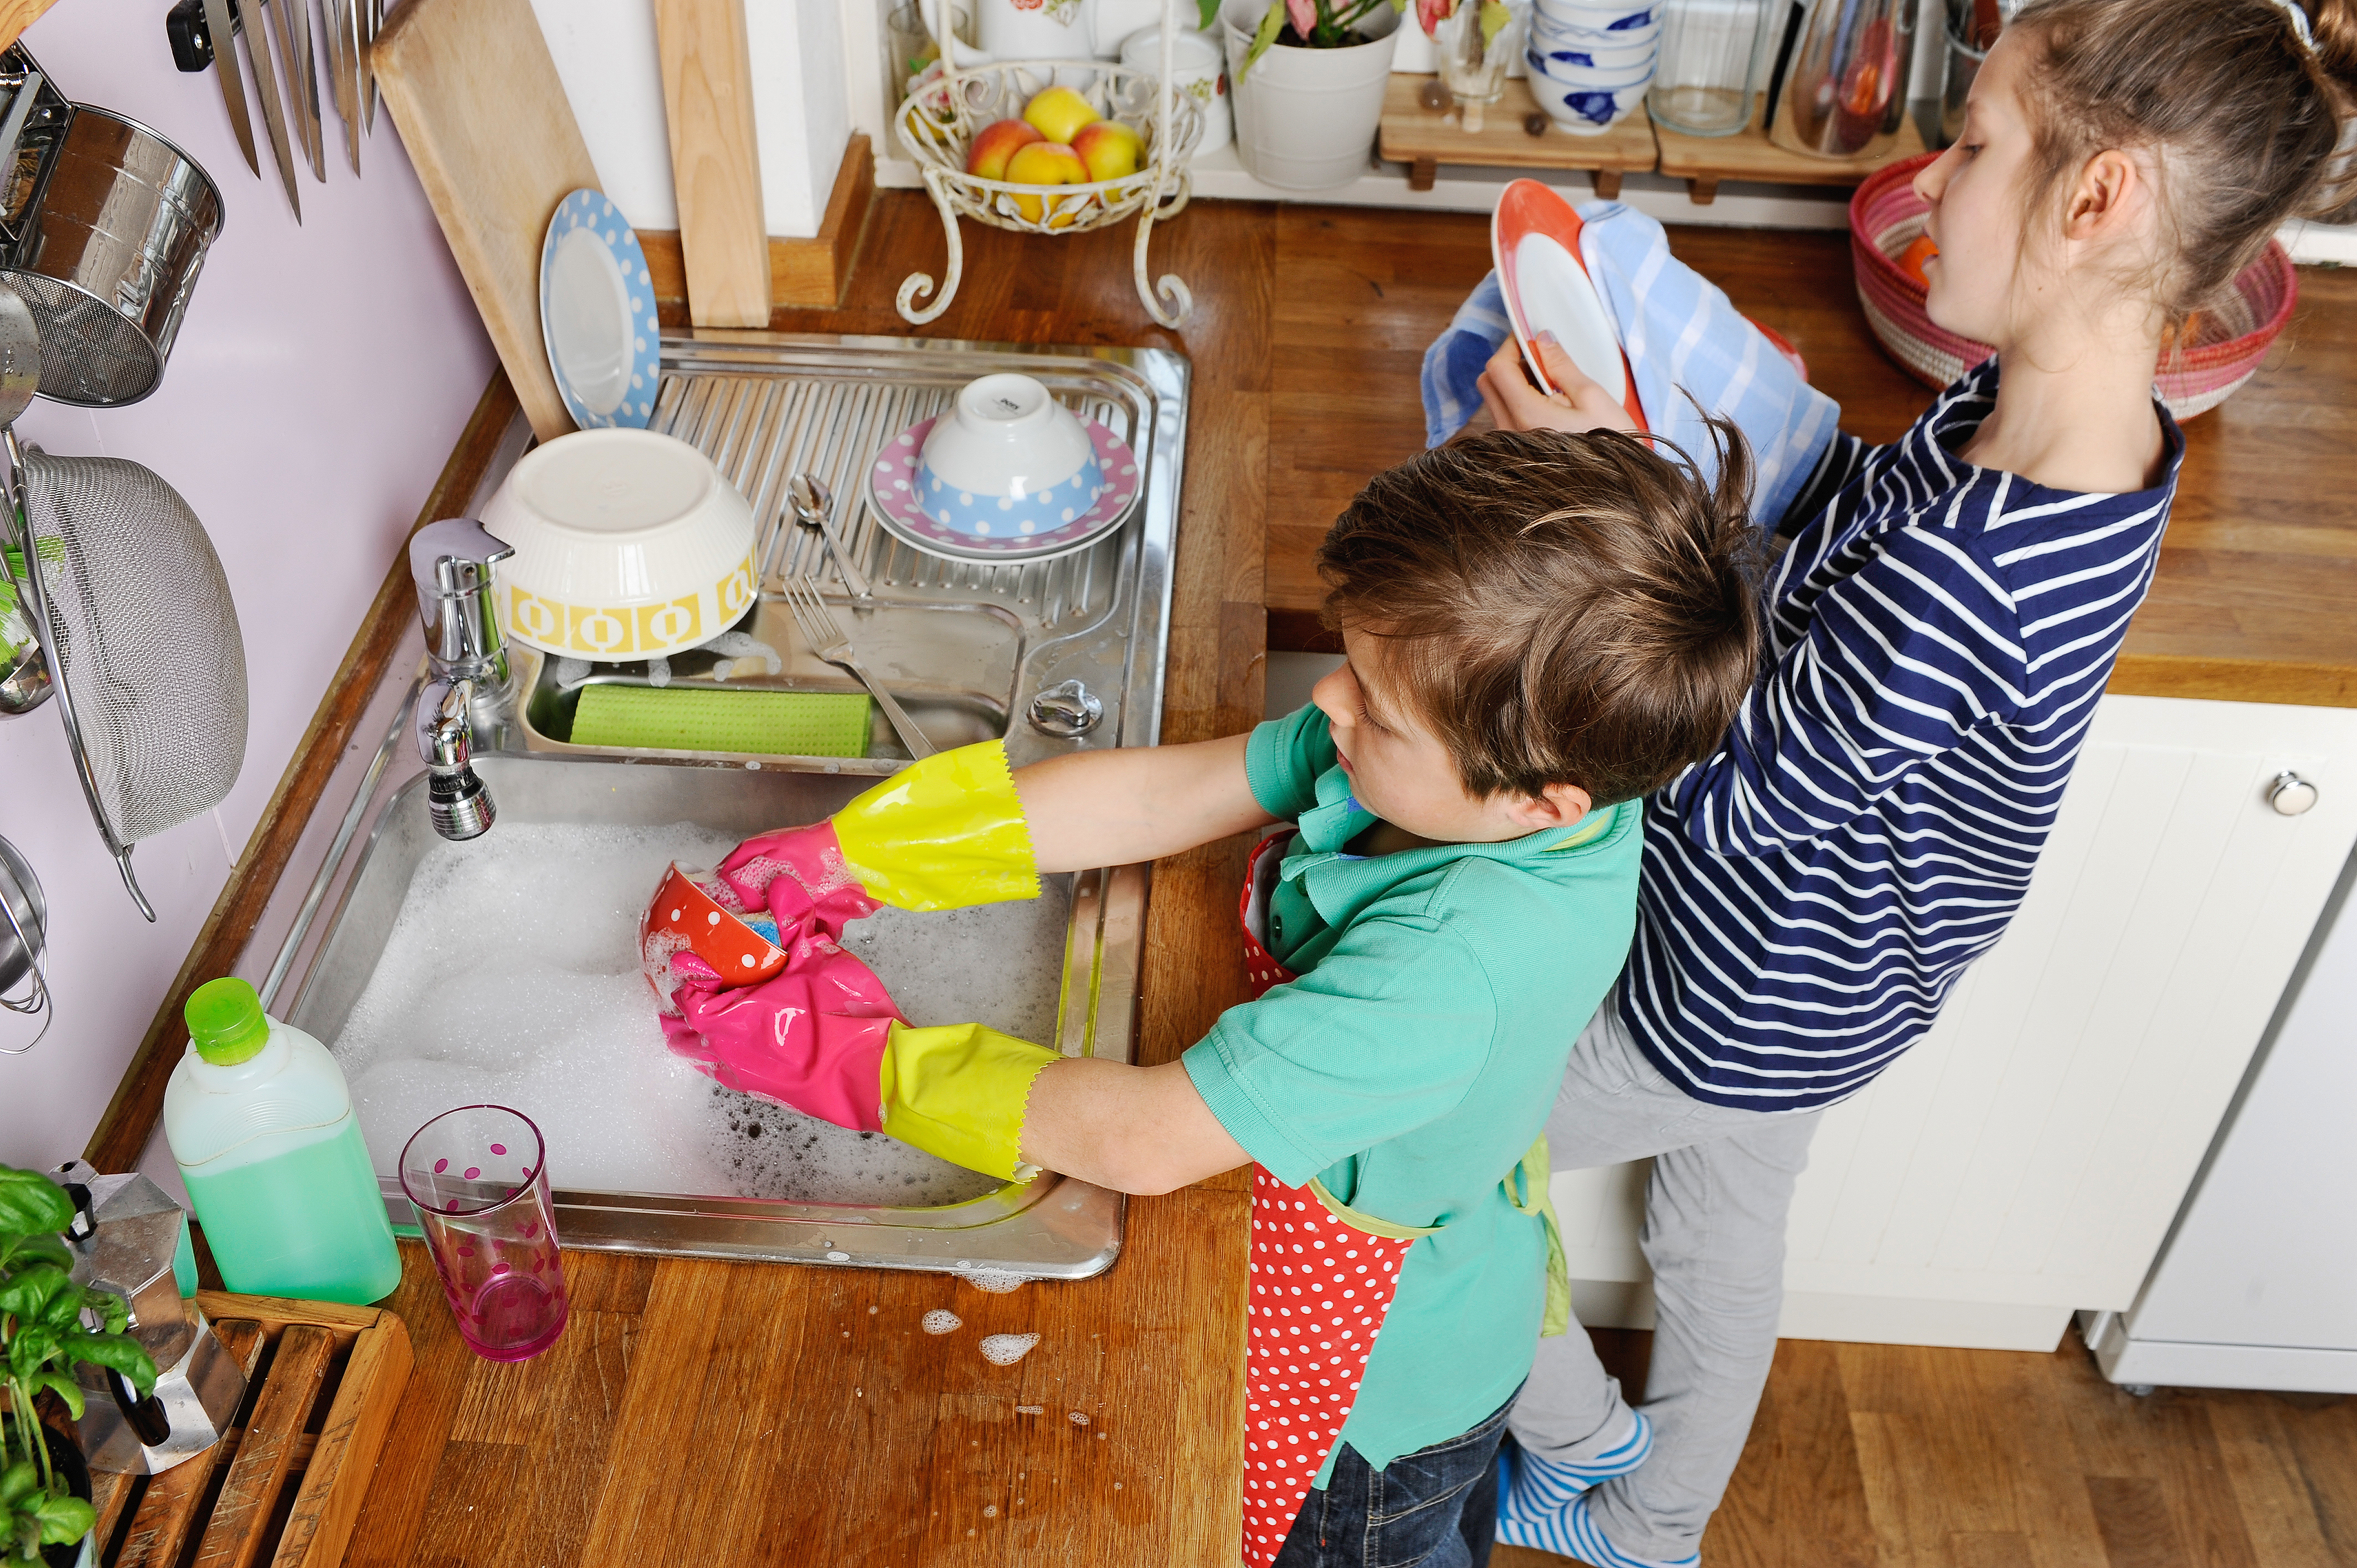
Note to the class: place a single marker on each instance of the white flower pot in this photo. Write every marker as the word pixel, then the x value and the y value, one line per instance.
pixel 1306 119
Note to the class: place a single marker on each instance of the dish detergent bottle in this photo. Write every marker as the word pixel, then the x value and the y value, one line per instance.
pixel 261 1126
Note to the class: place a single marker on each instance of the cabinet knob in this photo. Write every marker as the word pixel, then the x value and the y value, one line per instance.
pixel 2291 795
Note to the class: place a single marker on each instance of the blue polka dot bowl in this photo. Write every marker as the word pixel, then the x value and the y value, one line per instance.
pixel 1008 462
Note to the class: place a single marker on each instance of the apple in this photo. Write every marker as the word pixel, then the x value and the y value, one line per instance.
pixel 1058 112
pixel 996 142
pixel 1045 162
pixel 1109 149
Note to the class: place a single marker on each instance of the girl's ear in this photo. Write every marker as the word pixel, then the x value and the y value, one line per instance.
pixel 2109 198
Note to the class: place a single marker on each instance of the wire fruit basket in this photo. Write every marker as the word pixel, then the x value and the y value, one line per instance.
pixel 943 113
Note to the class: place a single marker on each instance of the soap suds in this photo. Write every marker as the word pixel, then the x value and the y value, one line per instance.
pixel 512 977
pixel 1078 1418
pixel 997 1282
pixel 940 1321
pixel 1005 1349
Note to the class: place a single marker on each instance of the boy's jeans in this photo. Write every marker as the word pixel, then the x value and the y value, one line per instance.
pixel 1714 1233
pixel 1436 1508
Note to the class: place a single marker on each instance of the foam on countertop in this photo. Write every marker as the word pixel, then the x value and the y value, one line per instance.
pixel 512 977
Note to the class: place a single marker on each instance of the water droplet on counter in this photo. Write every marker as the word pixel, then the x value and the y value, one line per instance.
pixel 939 1321
pixel 1005 1349
pixel 838 1257
pixel 1078 1418
pixel 990 1510
pixel 1030 1409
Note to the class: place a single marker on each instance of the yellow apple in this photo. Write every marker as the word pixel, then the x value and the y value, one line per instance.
pixel 1109 149
pixel 1058 112
pixel 996 142
pixel 1045 162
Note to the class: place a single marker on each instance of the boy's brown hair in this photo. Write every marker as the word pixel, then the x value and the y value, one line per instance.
pixel 1557 609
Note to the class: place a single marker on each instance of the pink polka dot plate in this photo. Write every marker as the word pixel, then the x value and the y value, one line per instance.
pixel 892 490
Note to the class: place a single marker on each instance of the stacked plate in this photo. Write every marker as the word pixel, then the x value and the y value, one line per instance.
pixel 1591 60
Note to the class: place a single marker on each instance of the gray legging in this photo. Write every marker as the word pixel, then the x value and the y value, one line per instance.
pixel 1714 1233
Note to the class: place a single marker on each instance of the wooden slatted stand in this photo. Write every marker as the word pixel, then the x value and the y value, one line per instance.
pixel 1702 161
pixel 1424 138
pixel 283 1486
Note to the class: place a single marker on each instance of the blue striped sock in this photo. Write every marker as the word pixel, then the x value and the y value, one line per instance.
pixel 1541 1502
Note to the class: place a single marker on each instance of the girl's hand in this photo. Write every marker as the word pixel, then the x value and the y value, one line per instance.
pixel 1580 403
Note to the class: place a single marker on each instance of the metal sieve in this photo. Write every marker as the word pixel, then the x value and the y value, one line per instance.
pixel 105 247
pixel 136 620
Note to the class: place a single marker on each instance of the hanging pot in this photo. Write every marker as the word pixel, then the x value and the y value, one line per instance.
pixel 1306 119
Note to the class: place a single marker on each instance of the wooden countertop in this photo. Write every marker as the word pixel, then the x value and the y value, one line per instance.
pixel 704 1411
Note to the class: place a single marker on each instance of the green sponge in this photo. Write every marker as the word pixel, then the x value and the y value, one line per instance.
pixel 780 723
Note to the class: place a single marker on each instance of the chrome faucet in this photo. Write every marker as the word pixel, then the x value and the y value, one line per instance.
pixel 451 562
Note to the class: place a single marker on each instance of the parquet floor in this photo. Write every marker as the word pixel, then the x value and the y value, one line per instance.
pixel 1898 1457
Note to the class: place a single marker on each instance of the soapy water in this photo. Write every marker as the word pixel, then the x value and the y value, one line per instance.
pixel 997 1282
pixel 1005 1349
pixel 512 977
pixel 943 1321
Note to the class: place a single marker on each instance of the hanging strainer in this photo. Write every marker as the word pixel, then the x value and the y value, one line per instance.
pixel 136 620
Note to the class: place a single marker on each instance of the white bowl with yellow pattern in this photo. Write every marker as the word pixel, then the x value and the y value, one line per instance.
pixel 629 544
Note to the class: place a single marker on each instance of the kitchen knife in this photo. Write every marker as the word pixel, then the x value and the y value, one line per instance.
pixel 265 88
pixel 222 23
pixel 302 85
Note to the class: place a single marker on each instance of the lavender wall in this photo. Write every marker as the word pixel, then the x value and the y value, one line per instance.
pixel 323 374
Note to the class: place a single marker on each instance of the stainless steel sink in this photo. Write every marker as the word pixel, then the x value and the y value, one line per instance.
pixel 965 648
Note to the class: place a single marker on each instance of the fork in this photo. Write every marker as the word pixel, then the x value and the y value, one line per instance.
pixel 826 635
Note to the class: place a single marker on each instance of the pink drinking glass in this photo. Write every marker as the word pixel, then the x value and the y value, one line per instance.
pixel 478 1176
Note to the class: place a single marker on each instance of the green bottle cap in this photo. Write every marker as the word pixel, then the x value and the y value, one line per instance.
pixel 225 1022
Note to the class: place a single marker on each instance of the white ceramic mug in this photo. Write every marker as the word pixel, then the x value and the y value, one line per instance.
pixel 1200 73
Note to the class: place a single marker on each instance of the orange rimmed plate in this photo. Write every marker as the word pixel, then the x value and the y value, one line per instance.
pixel 1535 240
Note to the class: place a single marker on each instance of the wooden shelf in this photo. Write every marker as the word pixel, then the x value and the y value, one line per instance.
pixel 1424 138
pixel 1702 161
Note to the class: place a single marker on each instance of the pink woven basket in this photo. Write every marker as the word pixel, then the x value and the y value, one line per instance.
pixel 2230 338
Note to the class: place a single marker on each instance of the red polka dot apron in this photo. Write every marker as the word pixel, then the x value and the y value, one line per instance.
pixel 1323 1276
pixel 1321 1288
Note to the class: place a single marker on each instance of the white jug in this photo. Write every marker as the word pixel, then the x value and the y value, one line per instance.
pixel 1054 30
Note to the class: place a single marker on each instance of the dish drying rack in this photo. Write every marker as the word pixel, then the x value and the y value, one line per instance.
pixel 937 125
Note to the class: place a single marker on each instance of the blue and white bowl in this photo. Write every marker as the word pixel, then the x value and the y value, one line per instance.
pixel 1644 32
pixel 1617 17
pixel 1556 56
pixel 1616 47
pixel 1587 111
pixel 1009 462
pixel 1589 76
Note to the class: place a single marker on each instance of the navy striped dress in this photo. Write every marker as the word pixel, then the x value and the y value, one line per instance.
pixel 1937 637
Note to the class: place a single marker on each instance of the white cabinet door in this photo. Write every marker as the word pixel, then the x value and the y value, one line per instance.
pixel 2026 1157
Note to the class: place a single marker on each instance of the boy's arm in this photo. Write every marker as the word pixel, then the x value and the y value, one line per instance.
pixel 1111 808
pixel 1141 1129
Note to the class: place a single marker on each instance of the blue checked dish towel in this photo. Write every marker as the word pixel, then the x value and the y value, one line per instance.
pixel 1682 335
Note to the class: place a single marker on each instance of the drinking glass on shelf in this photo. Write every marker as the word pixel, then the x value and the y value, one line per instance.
pixel 478 1176
pixel 1473 55
pixel 912 44
pixel 1709 66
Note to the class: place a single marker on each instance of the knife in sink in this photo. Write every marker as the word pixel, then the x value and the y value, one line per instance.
pixel 265 88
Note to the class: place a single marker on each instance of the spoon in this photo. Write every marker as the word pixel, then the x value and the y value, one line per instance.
pixel 813 506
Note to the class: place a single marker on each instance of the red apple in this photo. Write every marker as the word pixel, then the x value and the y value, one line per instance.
pixel 996 142
pixel 1045 162
pixel 1109 149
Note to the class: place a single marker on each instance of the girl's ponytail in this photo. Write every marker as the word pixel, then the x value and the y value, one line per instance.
pixel 2246 107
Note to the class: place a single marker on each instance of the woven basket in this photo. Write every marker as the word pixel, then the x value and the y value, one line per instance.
pixel 2229 337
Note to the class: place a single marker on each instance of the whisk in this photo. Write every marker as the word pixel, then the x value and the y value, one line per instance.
pixel 135 620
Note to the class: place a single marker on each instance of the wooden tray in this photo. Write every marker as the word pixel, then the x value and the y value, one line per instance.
pixel 1702 161
pixel 1424 138
pixel 283 1487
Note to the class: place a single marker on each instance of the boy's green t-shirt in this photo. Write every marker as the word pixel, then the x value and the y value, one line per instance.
pixel 1415 1060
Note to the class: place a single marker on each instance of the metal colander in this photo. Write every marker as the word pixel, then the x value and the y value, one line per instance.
pixel 143 639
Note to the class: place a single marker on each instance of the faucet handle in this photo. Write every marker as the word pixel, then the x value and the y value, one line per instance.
pixel 450 562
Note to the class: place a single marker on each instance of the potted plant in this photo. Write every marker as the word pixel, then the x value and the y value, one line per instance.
pixel 47 1323
pixel 1309 78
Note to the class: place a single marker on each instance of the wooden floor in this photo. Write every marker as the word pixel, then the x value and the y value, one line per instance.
pixel 1892 1457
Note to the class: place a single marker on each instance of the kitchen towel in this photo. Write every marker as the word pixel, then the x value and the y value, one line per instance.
pixel 1683 336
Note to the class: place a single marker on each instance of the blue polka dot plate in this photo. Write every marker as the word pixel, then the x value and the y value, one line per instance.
pixel 897 491
pixel 597 315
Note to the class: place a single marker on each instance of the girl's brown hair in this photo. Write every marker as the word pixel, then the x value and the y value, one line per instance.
pixel 1557 609
pixel 2247 124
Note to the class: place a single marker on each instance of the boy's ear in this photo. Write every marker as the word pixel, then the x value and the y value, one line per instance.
pixel 1557 805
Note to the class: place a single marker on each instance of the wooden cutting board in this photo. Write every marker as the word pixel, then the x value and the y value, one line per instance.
pixel 708 77
pixel 486 122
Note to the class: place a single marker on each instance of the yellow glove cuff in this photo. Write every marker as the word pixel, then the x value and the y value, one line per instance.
pixel 943 834
pixel 959 1091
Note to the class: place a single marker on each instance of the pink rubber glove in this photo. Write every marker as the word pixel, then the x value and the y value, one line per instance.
pixel 798 874
pixel 811 1037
